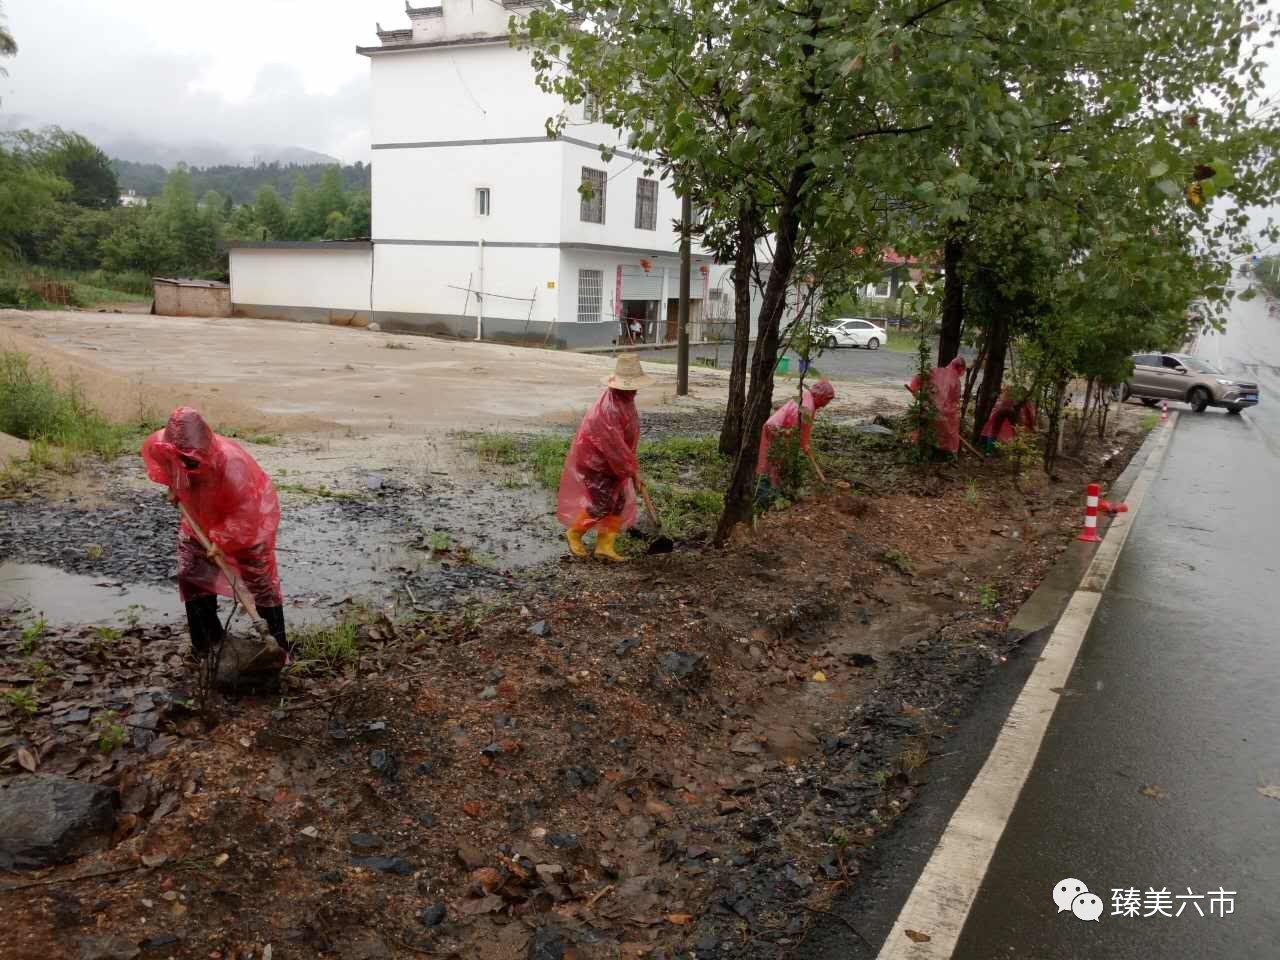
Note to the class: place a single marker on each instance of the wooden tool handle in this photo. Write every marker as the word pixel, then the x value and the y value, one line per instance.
pixel 648 504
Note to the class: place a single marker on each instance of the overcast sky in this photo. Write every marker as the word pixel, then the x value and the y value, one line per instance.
pixel 241 73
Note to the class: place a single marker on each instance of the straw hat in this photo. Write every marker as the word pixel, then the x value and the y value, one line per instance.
pixel 627 374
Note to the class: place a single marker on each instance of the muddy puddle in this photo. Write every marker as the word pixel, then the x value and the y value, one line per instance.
pixel 31 590
pixel 429 540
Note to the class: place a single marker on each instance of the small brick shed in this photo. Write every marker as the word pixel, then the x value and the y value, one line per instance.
pixel 191 298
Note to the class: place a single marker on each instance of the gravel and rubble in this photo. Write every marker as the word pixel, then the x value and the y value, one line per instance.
pixel 686 756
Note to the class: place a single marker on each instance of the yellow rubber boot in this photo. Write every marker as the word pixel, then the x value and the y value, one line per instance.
pixel 576 546
pixel 605 546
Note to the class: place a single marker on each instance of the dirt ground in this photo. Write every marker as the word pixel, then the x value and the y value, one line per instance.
pixel 686 756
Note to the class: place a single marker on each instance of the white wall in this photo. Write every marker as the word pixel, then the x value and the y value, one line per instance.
pixel 417 279
pixel 328 279
pixel 457 93
pixel 429 193
pixel 619 227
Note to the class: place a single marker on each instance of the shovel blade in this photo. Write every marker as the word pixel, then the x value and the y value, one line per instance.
pixel 661 544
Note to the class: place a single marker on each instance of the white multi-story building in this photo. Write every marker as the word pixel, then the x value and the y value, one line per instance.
pixel 479 224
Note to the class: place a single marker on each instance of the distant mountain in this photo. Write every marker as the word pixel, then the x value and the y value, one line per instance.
pixel 205 153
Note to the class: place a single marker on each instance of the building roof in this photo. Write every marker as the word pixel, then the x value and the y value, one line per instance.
pixel 394 36
pixel 419 12
pixel 298 244
pixel 183 282
pixel 430 44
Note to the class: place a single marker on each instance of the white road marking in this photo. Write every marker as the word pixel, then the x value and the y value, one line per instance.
pixel 941 900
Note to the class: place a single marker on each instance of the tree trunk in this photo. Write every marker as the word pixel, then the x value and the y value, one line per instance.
pixel 739 498
pixel 992 372
pixel 743 269
pixel 952 301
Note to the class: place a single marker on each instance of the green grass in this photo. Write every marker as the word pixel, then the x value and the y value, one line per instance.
pixel 685 474
pixel 1148 422
pixel 32 634
pixel 37 408
pixel 26 702
pixel 327 649
pixel 900 343
pixel 110 732
pixel 899 561
pixel 88 287
pixel 250 436
pixel 988 597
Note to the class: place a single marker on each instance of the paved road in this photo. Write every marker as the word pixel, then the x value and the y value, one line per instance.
pixel 1176 691
pixel 846 363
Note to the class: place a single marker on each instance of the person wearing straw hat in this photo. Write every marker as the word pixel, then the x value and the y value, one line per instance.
pixel 598 484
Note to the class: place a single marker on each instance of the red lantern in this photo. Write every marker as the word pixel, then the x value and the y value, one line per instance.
pixel 646 265
pixel 704 269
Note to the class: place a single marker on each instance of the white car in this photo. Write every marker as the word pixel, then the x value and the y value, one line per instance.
pixel 856 332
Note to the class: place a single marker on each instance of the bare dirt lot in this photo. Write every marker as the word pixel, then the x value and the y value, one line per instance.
pixel 523 757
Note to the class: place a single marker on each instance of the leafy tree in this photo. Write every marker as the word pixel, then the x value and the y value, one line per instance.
pixel 8 46
pixel 306 222
pixel 212 205
pixel 271 214
pixel 360 215
pixel 25 190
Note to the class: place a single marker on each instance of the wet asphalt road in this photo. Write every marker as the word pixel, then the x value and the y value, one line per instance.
pixel 1176 691
pixel 845 363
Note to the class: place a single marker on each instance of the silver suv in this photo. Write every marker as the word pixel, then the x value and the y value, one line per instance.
pixel 1179 376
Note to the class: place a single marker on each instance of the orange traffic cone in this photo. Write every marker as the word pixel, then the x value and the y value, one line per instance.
pixel 1164 411
pixel 1090 532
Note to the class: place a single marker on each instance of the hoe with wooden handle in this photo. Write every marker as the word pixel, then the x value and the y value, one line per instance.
pixel 271 656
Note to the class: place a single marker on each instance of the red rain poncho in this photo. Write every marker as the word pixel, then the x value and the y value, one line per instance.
pixel 229 496
pixel 596 482
pixel 947 386
pixel 786 418
pixel 1007 418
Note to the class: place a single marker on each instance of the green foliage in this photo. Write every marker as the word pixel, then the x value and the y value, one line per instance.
pixel 111 734
pixel 899 561
pixel 328 649
pixel 988 597
pixel 36 408
pixel 438 541
pixel 921 417
pixel 241 184
pixel 1148 422
pixel 31 635
pixel 25 701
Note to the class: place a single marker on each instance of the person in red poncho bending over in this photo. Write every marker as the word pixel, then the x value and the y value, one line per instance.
pixel 235 504
pixel 947 386
pixel 597 487
pixel 785 420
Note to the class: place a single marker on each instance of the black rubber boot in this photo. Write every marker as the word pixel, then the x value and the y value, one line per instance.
pixel 274 616
pixel 203 623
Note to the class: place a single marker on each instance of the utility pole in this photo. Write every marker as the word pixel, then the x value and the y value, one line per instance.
pixel 682 341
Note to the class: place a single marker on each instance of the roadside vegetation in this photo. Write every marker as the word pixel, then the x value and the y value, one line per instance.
pixel 60 425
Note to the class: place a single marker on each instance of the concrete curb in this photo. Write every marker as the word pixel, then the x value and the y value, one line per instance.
pixel 944 893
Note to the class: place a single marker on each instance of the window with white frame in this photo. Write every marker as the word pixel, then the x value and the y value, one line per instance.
pixel 482 201
pixel 646 204
pixel 594 183
pixel 880 288
pixel 590 295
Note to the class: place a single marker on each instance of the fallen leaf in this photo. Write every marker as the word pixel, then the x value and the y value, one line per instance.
pixel 819 677
pixel 154 860
pixel 1271 791
pixel 917 937
pixel 486 880
pixel 487 904
pixel 473 808
pixel 220 859
pixel 27 760
pixel 680 919
pixel 1153 791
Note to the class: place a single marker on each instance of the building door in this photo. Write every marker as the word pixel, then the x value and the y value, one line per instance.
pixel 671 331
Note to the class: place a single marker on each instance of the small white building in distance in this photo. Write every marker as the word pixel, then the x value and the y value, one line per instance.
pixel 479 227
